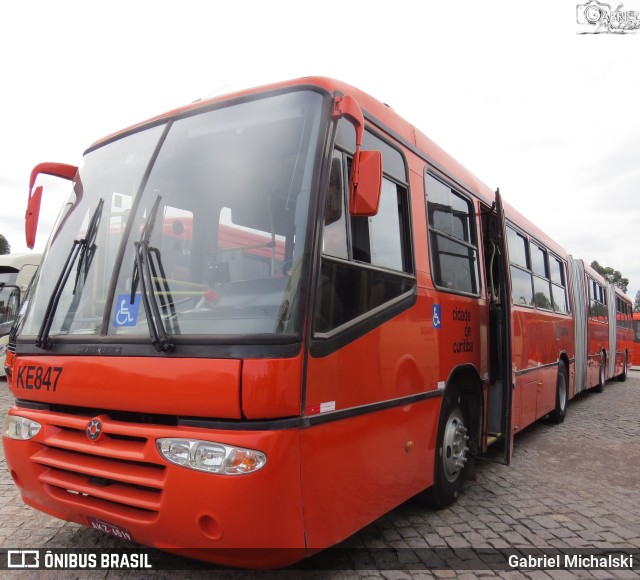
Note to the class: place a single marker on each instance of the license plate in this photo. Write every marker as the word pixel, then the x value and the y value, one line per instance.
pixel 110 529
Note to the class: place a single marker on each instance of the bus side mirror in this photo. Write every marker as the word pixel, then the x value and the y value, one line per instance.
pixel 61 170
pixel 31 217
pixel 365 182
pixel 364 198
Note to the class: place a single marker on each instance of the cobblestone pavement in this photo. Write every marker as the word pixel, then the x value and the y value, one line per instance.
pixel 575 485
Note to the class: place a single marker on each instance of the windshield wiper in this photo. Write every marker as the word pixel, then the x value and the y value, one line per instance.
pixel 89 247
pixel 79 248
pixel 142 273
pixel 162 287
pixel 85 257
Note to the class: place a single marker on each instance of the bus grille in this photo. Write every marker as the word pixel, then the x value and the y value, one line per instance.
pixel 113 474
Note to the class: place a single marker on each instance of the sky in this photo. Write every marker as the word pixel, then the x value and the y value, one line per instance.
pixel 507 88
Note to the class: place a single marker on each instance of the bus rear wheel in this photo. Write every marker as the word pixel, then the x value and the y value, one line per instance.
pixel 562 396
pixel 601 375
pixel 625 368
pixel 452 452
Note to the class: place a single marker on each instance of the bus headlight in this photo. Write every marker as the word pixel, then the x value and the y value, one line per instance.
pixel 20 428
pixel 210 456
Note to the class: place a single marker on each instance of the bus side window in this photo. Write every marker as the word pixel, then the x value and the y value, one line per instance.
pixel 360 255
pixel 377 240
pixel 452 240
pixel 541 282
pixel 334 237
pixel 604 311
pixel 521 277
pixel 593 302
pixel 558 286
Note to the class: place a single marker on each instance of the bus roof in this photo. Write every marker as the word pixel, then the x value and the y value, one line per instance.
pixel 622 295
pixel 15 262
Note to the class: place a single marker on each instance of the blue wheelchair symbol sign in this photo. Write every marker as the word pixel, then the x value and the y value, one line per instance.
pixel 437 316
pixel 126 313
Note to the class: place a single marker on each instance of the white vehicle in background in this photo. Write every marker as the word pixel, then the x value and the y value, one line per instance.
pixel 16 271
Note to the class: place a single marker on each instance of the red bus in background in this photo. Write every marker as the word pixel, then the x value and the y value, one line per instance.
pixel 636 326
pixel 250 253
pixel 302 313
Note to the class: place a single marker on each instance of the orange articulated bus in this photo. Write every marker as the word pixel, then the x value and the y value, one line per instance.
pixel 623 334
pixel 264 320
pixel 602 316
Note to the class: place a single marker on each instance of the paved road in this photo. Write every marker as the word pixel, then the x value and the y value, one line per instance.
pixel 575 485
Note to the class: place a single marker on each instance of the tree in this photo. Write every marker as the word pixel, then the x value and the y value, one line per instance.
pixel 5 248
pixel 611 275
pixel 542 301
pixel 636 304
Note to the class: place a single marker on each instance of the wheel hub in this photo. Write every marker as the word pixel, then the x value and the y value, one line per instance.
pixel 454 445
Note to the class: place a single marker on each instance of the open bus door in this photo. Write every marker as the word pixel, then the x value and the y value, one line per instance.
pixel 498 426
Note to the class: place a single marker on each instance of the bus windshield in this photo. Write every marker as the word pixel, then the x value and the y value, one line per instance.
pixel 201 219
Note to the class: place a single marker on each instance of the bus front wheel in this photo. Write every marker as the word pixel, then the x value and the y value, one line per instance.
pixel 452 452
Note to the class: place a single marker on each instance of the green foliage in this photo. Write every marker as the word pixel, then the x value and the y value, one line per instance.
pixel 5 247
pixel 542 301
pixel 636 303
pixel 613 276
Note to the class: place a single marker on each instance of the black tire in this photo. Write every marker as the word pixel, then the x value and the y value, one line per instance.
pixel 602 374
pixel 625 369
pixel 452 451
pixel 562 396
